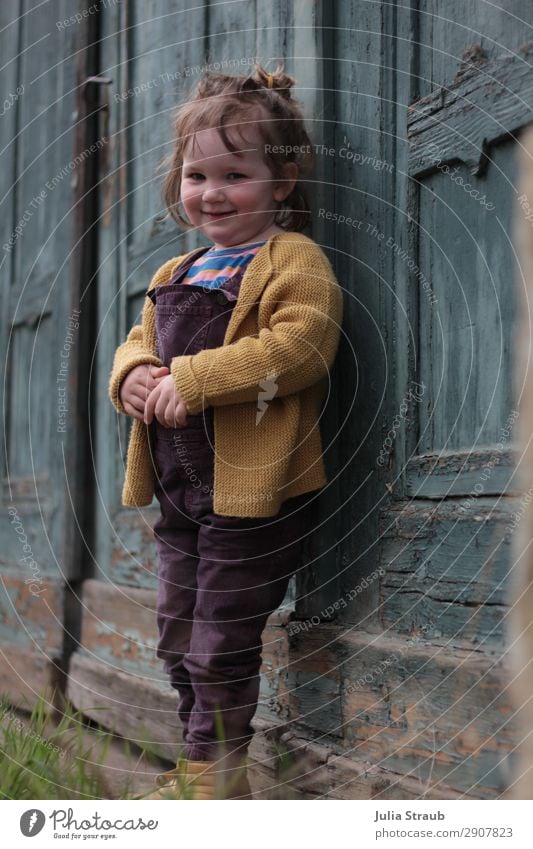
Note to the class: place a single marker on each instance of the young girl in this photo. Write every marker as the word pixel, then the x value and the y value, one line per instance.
pixel 225 378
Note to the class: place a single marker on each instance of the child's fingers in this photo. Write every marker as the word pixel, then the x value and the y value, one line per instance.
pixel 150 405
pixel 152 377
pixel 143 389
pixel 161 410
pixel 181 414
pixel 132 411
pixel 145 386
pixel 168 418
pixel 129 396
pixel 138 402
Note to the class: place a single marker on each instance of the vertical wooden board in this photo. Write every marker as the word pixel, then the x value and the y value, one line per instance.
pixel 521 584
pixel 165 46
pixel 231 34
pixel 30 612
pixel 355 216
pixel 36 309
pixel 46 167
pixel 39 303
pixel 465 344
pixel 395 437
pixel 29 418
pixel 297 36
pixel 275 34
pixel 148 52
pixel 110 439
pixel 359 198
pixel 12 92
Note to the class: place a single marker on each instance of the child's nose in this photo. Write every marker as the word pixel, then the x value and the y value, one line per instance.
pixel 213 193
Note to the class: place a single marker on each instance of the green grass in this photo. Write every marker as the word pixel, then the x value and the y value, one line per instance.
pixel 46 759
pixel 43 760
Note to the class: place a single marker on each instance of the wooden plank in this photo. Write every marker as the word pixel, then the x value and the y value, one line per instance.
pixel 465 350
pixel 131 705
pixel 38 175
pixel 521 588
pixel 230 35
pixel 25 547
pixel 33 303
pixel 148 51
pixel 448 29
pixel 446 569
pixel 27 674
pixel 133 559
pixel 165 45
pixel 119 628
pixel 440 715
pixel 314 681
pixel 31 611
pixel 147 714
pixel 314 769
pixel 485 104
pixel 307 770
pixel 454 473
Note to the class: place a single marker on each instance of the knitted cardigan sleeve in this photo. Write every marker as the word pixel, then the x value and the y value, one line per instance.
pixel 136 350
pixel 300 316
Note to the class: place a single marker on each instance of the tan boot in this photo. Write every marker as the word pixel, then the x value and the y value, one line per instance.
pixel 189 780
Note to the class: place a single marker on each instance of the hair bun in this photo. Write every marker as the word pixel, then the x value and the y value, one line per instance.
pixel 276 81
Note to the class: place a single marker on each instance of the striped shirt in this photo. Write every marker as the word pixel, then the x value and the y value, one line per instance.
pixel 217 265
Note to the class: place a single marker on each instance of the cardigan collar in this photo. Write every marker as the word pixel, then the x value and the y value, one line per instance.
pixel 256 277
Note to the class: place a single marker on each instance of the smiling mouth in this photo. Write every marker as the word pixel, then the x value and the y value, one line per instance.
pixel 218 214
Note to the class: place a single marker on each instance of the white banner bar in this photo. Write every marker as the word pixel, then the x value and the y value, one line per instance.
pixel 268 824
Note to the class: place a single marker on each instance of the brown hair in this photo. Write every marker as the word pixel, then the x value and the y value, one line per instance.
pixel 230 102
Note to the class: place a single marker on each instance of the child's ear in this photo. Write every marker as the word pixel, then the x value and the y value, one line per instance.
pixel 284 188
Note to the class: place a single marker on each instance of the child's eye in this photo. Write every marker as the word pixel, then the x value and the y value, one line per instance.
pixel 195 175
pixel 237 175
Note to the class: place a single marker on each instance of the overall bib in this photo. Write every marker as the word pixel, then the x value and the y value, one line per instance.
pixel 220 577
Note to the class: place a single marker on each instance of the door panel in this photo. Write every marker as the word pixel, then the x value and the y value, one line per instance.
pixel 43 160
pixel 462 153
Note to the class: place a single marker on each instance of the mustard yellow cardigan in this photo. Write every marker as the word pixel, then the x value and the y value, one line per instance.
pixel 284 329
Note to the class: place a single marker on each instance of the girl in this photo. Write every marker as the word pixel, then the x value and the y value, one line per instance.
pixel 225 378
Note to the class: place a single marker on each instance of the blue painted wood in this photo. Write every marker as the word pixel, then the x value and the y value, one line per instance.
pixel 38 339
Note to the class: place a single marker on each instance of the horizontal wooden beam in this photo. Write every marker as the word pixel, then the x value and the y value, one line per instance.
pixel 446 568
pixel 488 102
pixel 442 474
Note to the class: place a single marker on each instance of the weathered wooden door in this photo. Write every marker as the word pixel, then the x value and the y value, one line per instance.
pixel 434 102
pixel 48 152
pixel 153 53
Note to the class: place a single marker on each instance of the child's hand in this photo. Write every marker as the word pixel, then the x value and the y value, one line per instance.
pixel 166 404
pixel 136 387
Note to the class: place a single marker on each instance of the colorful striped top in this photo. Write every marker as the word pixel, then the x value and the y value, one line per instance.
pixel 217 265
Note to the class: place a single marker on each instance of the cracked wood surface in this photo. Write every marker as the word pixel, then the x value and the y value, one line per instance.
pixel 488 101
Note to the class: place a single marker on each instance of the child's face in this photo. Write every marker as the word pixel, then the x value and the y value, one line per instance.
pixel 231 197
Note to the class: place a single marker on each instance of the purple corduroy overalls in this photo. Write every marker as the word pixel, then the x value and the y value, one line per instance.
pixel 219 576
